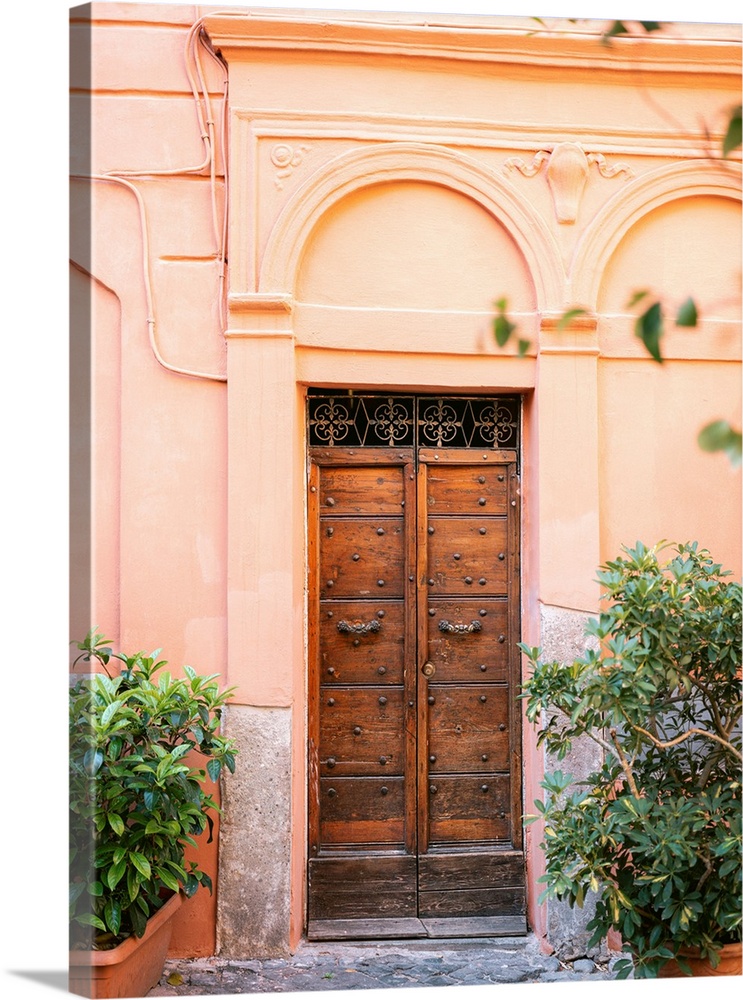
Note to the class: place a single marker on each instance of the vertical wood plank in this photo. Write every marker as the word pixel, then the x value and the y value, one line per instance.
pixel 421 685
pixel 313 643
pixel 411 660
pixel 514 610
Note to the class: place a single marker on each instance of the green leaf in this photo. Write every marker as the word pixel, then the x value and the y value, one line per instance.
pixel 91 920
pixel 214 768
pixel 687 313
pixel 524 346
pixel 116 823
pixel 637 297
pixel 617 28
pixel 620 28
pixel 92 761
pixel 720 436
pixel 168 879
pixel 567 317
pixel 729 866
pixel 734 135
pixel 649 328
pixel 133 882
pixel 139 921
pixel 115 874
pixel 503 328
pixel 112 914
pixel 141 863
pixel 110 711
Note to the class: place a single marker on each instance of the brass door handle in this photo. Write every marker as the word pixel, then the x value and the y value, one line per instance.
pixel 445 626
pixel 360 628
pixel 428 669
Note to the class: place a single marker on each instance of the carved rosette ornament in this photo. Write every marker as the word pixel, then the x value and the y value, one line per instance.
pixel 285 158
pixel 567 172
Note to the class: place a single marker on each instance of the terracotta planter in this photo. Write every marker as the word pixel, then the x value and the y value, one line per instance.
pixel 133 967
pixel 730 964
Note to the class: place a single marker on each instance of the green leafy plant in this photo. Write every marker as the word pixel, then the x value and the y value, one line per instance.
pixel 136 799
pixel 655 830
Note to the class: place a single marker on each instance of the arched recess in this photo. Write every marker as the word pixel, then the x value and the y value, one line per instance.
pixel 419 162
pixel 628 207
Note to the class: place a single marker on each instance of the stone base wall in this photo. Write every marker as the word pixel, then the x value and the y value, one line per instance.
pixel 254 888
pixel 563 638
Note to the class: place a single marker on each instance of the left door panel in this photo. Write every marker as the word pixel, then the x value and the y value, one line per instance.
pixel 362 757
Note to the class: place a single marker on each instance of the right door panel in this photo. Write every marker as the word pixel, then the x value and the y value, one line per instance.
pixel 470 850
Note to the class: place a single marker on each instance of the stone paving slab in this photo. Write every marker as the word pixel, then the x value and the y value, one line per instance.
pixel 330 966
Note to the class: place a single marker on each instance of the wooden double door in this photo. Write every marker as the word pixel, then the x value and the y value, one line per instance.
pixel 414 730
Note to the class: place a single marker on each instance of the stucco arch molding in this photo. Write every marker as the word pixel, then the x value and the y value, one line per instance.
pixel 635 201
pixel 354 170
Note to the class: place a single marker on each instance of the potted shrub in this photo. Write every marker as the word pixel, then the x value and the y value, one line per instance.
pixel 136 802
pixel 655 831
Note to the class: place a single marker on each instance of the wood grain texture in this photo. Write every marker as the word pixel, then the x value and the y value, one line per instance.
pixel 414 731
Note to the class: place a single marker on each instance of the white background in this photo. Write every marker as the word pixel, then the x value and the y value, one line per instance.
pixel 34 365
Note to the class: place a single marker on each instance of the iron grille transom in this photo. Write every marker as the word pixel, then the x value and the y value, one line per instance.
pixel 361 420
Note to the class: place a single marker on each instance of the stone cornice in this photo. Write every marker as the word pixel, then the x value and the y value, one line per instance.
pixel 513 41
pixel 483 133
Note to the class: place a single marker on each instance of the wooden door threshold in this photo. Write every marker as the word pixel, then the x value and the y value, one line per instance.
pixel 475 927
pixel 361 930
pixel 412 928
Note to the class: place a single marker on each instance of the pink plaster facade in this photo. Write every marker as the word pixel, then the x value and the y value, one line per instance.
pixel 388 179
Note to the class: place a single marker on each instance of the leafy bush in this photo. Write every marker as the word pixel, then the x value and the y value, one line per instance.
pixel 656 830
pixel 136 801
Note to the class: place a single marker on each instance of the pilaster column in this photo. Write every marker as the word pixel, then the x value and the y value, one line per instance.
pixel 260 491
pixel 568 464
pixel 255 899
pixel 569 550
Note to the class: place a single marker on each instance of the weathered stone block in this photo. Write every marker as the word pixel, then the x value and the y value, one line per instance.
pixel 254 858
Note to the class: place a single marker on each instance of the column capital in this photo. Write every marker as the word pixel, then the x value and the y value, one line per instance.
pixel 259 314
pixel 577 335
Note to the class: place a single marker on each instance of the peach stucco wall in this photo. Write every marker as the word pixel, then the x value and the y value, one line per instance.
pixel 388 181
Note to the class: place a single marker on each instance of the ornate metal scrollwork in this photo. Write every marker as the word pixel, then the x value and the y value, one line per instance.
pixel 459 629
pixel 331 421
pixel 360 421
pixel 360 628
pixel 391 421
pixel 438 423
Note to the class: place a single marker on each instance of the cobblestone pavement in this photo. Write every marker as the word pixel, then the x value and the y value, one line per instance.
pixel 374 965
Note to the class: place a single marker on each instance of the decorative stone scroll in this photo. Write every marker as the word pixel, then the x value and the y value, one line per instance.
pixel 567 173
pixel 285 158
